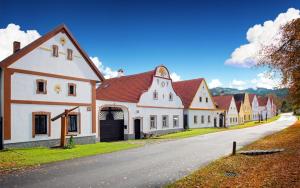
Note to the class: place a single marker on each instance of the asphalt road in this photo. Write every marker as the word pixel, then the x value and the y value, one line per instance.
pixel 153 165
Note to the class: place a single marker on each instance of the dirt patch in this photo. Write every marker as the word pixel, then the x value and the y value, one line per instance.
pixel 276 170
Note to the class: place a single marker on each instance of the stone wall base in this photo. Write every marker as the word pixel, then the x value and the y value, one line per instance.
pixel 51 143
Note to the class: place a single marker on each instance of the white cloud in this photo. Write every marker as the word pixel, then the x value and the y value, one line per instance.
pixel 13 33
pixel 215 83
pixel 106 71
pixel 238 84
pixel 246 55
pixel 266 80
pixel 175 77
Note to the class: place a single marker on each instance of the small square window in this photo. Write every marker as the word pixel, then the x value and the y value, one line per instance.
pixel 202 119
pixel 208 119
pixel 73 123
pixel 152 122
pixel 71 89
pixel 155 95
pixel 206 100
pixel 41 86
pixel 175 121
pixel 170 97
pixel 165 122
pixel 200 99
pixel 55 50
pixel 69 54
pixel 195 119
pixel 40 123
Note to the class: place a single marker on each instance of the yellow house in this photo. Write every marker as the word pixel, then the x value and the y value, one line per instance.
pixel 243 98
pixel 240 109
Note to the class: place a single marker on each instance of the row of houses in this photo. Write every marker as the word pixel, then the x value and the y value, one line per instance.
pixel 244 107
pixel 53 73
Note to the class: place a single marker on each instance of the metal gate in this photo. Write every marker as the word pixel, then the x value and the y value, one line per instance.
pixel 111 130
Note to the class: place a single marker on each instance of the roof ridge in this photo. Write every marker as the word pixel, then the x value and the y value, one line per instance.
pixel 189 80
pixel 131 75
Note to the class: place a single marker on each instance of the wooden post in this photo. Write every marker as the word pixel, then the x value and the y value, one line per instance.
pixel 63 130
pixel 234 148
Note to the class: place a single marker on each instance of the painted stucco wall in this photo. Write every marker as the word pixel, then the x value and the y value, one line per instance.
pixel 132 111
pixel 202 92
pixel 23 87
pixel 255 110
pixel 41 60
pixel 247 108
pixel 199 114
pixel 21 122
pixel 232 113
pixel 241 114
pixel 163 87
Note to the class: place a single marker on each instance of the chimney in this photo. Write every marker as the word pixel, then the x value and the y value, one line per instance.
pixel 120 72
pixel 17 46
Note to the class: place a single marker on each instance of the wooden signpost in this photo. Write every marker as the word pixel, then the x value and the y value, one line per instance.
pixel 63 132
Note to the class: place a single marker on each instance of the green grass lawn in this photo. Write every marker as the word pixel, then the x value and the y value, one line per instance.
pixel 12 159
pixel 201 131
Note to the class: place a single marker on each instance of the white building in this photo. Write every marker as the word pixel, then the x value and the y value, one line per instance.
pixel 39 82
pixel 130 107
pixel 199 108
pixel 255 106
pixel 227 103
pixel 265 107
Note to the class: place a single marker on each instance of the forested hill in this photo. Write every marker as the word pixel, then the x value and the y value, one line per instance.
pixel 282 93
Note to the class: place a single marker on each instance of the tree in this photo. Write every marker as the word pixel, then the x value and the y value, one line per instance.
pixel 283 56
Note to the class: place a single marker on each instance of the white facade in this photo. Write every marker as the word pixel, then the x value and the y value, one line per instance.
pixel 203 113
pixel 148 106
pixel 232 114
pixel 266 111
pixel 255 109
pixel 58 73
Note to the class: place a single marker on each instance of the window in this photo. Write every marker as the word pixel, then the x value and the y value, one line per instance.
pixel 69 54
pixel 195 119
pixel 71 89
pixel 200 99
pixel 55 50
pixel 152 122
pixel 40 123
pixel 230 120
pixel 202 119
pixel 41 86
pixel 74 122
pixel 206 99
pixel 208 119
pixel 155 95
pixel 175 121
pixel 170 97
pixel 165 121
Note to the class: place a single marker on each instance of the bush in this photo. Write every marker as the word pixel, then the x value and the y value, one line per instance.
pixel 71 143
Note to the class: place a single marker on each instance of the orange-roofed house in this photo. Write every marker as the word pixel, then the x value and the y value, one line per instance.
pixel 227 103
pixel 134 106
pixel 265 107
pixel 199 108
pixel 240 109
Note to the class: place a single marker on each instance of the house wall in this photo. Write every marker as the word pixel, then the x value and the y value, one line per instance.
pixel 269 108
pixel 241 114
pixel 41 60
pixel 247 108
pixel 133 111
pixel 203 108
pixel 232 114
pixel 57 71
pixel 255 110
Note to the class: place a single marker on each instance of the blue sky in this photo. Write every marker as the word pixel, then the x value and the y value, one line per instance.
pixel 192 38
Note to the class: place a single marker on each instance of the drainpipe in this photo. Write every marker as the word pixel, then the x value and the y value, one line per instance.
pixel 1 118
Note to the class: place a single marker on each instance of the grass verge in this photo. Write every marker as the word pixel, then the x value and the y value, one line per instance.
pixel 14 159
pixel 274 170
pixel 201 131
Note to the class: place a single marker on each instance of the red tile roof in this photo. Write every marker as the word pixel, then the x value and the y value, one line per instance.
pixel 262 101
pixel 223 101
pixel 251 97
pixel 187 90
pixel 238 105
pixel 125 88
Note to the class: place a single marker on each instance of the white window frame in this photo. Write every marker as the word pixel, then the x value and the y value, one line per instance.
pixel 154 122
pixel 166 122
pixel 176 121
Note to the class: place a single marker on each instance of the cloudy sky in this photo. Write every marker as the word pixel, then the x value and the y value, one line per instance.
pixel 217 40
